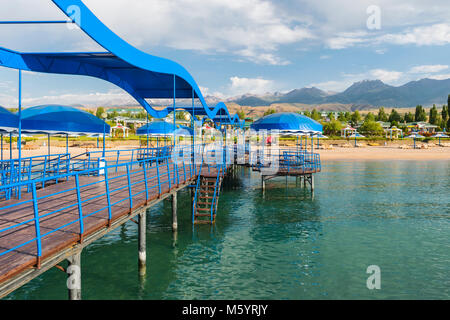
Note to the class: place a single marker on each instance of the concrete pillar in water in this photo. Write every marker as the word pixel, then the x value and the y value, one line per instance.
pixel 142 243
pixel 304 181
pixel 312 183
pixel 263 184
pixel 74 276
pixel 174 212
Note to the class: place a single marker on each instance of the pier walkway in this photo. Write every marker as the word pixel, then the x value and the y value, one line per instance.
pixel 45 223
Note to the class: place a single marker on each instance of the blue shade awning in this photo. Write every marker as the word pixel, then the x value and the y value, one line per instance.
pixel 287 121
pixel 61 119
pixel 8 120
pixel 156 128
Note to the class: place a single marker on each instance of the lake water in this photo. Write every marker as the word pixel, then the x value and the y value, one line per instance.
pixel 287 244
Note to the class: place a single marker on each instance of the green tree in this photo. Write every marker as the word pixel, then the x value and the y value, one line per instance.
pixel 355 118
pixel 371 128
pixel 444 114
pixel 332 128
pixel 370 116
pixel 316 115
pixel 382 116
pixel 341 117
pixel 269 111
pixel 433 115
pixel 394 116
pixel 307 114
pixel 331 116
pixel 409 117
pixel 99 112
pixel 241 114
pixel 420 114
pixel 348 116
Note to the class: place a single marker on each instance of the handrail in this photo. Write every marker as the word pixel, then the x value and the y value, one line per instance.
pixel 110 188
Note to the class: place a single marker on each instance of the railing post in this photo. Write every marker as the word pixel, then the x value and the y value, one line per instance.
pixel 168 173
pixel 80 208
pixel 157 175
pixel 36 225
pixel 129 187
pixel 107 195
pixel 144 164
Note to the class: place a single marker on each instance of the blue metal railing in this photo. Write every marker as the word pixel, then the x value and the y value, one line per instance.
pixel 112 192
pixel 32 168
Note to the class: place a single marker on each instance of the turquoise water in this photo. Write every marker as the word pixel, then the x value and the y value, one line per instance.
pixel 287 244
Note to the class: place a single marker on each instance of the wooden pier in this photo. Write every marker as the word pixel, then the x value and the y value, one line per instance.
pixel 23 264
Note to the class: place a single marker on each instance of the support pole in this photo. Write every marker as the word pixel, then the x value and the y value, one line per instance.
pixel 67 143
pixel 48 142
pixel 174 212
pixel 74 276
pixel 263 184
pixel 312 183
pixel 142 244
pixel 19 139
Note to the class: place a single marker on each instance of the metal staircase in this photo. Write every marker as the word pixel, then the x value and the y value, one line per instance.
pixel 206 196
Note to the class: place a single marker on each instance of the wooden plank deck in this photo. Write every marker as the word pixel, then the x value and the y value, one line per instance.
pixel 25 257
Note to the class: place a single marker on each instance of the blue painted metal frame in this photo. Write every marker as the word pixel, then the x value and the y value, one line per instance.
pixel 140 74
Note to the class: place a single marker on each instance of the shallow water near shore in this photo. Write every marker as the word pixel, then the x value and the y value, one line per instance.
pixel 286 244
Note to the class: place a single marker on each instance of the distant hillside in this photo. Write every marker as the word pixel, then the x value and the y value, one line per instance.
pixel 364 94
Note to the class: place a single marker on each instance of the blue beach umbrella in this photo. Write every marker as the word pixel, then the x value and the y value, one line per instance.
pixel 415 136
pixel 320 136
pixel 356 135
pixel 288 122
pixel 440 135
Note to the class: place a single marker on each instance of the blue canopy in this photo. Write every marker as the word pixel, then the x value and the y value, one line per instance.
pixel 287 121
pixel 156 128
pixel 61 119
pixel 8 120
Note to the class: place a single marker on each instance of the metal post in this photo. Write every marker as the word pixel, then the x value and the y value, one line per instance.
pixel 10 146
pixel 2 147
pixel 74 276
pixel 142 243
pixel 147 133
pixel 19 139
pixel 174 112
pixel 174 212
pixel 104 135
pixel 48 142
pixel 67 143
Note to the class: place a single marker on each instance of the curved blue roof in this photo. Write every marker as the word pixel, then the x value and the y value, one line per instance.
pixel 287 121
pixel 61 119
pixel 8 120
pixel 157 128
pixel 142 75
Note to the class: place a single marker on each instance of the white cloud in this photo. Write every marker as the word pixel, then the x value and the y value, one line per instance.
pixel 250 85
pixel 429 68
pixel 436 34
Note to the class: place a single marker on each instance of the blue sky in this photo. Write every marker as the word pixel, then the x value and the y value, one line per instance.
pixel 234 47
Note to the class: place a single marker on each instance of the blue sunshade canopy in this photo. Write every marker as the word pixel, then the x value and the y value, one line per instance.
pixel 8 120
pixel 157 128
pixel 56 119
pixel 289 122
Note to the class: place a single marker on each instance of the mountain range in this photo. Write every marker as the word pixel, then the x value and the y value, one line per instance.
pixel 364 93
